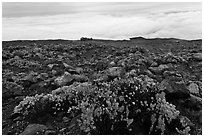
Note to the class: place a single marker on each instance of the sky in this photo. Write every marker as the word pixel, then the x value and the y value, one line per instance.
pixel 122 20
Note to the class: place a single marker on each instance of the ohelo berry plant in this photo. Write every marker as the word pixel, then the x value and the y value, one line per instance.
pixel 114 107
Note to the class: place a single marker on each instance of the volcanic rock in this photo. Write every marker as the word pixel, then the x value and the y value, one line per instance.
pixel 161 68
pixel 149 73
pixel 65 79
pixel 194 103
pixel 79 70
pixel 51 65
pixel 80 78
pixel 31 77
pixel 32 129
pixel 50 132
pixel 133 72
pixel 42 76
pixel 173 75
pixel 154 64
pixel 174 90
pixel 193 88
pixel 170 58
pixel 197 56
pixel 14 115
pixel 19 98
pixel 115 71
pixel 112 64
pixel 67 66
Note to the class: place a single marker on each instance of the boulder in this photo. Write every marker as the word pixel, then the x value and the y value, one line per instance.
pixel 67 66
pixel 50 132
pixel 31 77
pixel 39 55
pixel 165 85
pixel 66 119
pixel 75 70
pixel 14 115
pixel 19 98
pixel 174 90
pixel 149 73
pixel 194 103
pixel 65 79
pixel 51 65
pixel 32 129
pixel 200 117
pixel 42 76
pixel 11 90
pixel 17 91
pixel 133 72
pixel 115 71
pixel 80 78
pixel 193 88
pixel 173 75
pixel 112 64
pixel 54 72
pixel 154 64
pixel 79 70
pixel 170 58
pixel 168 73
pixel 197 56
pixel 160 69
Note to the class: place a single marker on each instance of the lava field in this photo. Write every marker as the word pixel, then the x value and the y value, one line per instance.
pixel 102 87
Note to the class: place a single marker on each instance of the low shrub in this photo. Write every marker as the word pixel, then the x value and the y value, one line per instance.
pixel 107 107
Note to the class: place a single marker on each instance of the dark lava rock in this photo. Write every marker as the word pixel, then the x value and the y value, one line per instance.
pixel 75 71
pixel 18 119
pixel 32 129
pixel 79 70
pixel 42 76
pixel 115 71
pixel 14 116
pixel 174 90
pixel 80 78
pixel 4 124
pixel 17 93
pixel 112 64
pixel 154 64
pixel 67 66
pixel 31 77
pixel 50 132
pixel 194 103
pixel 200 117
pixel 28 80
pixel 160 69
pixel 149 73
pixel 51 65
pixel 173 75
pixel 197 56
pixel 193 88
pixel 170 58
pixel 133 72
pixel 19 98
pixel 11 90
pixel 65 79
pixel 170 73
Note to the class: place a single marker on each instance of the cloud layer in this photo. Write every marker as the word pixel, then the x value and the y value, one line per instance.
pixel 101 20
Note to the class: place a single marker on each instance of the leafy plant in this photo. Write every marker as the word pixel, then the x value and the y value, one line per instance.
pixel 106 107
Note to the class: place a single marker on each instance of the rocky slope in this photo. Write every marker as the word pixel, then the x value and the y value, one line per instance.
pixel 137 86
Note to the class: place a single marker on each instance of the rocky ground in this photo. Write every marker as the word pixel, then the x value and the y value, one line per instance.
pixel 47 84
